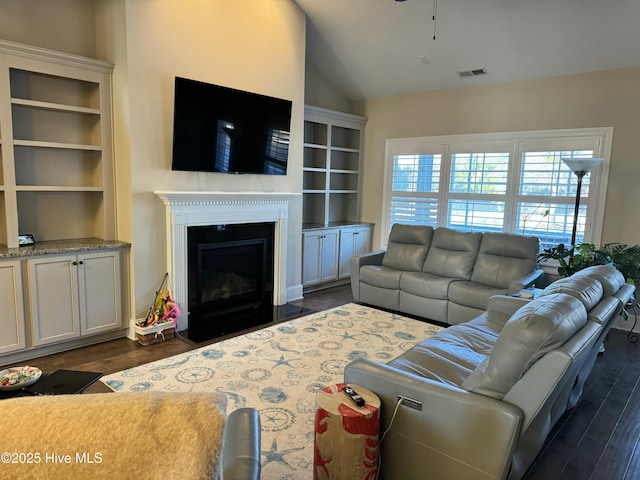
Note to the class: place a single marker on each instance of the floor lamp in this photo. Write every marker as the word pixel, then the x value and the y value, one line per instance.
pixel 581 167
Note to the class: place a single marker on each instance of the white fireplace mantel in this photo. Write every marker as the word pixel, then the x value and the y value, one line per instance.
pixel 189 209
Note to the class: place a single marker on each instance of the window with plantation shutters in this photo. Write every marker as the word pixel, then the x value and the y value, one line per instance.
pixel 509 182
pixel 546 196
pixel 416 182
pixel 477 192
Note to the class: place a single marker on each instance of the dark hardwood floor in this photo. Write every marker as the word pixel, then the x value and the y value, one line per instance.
pixel 599 439
pixel 116 355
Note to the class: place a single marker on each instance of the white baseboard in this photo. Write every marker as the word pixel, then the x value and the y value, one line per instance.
pixel 131 332
pixel 294 292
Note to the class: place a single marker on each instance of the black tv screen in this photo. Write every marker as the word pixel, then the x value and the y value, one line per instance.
pixel 220 129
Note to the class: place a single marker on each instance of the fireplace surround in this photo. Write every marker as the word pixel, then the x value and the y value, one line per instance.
pixel 188 209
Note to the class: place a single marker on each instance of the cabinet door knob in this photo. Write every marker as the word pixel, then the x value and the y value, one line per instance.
pixel 81 262
pixel 74 263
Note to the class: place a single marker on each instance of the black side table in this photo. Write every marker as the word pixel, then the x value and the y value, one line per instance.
pixel 631 305
pixel 60 382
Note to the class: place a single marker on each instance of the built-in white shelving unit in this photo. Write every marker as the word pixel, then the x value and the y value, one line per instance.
pixel 56 169
pixel 57 184
pixel 332 175
pixel 333 144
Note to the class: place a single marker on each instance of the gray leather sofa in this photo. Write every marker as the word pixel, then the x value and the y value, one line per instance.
pixel 444 274
pixel 488 391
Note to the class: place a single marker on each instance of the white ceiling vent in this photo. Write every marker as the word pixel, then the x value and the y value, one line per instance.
pixel 472 73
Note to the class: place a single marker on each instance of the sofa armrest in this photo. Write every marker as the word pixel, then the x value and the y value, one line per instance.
pixel 456 434
pixel 501 307
pixel 626 293
pixel 523 282
pixel 371 258
pixel 241 450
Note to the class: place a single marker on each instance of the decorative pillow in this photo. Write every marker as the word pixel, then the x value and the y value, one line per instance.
pixel 114 435
pixel 536 328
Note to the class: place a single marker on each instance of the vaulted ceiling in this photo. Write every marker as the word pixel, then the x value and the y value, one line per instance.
pixel 375 48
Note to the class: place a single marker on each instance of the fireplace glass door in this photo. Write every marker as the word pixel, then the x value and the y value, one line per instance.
pixel 231 274
pixel 230 279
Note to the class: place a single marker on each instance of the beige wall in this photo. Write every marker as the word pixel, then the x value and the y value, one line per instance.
pixel 256 46
pixel 601 99
pixel 62 25
pixel 321 92
pixel 112 45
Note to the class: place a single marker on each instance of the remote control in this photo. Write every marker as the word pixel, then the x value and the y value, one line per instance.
pixel 357 399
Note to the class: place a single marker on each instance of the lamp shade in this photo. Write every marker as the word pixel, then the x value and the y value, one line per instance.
pixel 582 165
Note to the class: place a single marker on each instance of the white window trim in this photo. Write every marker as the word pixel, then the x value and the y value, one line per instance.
pixel 597 183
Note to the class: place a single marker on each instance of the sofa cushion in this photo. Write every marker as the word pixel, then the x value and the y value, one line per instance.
pixel 503 258
pixel 408 246
pixel 380 276
pixel 426 285
pixel 133 435
pixel 488 322
pixel 472 294
pixel 500 308
pixel 586 289
pixel 449 356
pixel 535 329
pixel 452 253
pixel 609 276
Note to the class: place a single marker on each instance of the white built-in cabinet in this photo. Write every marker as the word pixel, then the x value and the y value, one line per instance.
pixel 57 183
pixel 332 176
pixel 12 326
pixel 57 297
pixel 355 240
pixel 327 252
pixel 320 256
pixel 73 295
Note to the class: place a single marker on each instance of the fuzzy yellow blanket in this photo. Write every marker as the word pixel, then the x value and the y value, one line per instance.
pixel 142 435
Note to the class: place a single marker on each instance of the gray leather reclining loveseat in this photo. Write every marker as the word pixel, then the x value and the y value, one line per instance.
pixel 444 274
pixel 486 393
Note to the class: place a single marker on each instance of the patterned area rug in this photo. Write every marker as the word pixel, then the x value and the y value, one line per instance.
pixel 278 371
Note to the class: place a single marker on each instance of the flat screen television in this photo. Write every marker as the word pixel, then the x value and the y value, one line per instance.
pixel 221 129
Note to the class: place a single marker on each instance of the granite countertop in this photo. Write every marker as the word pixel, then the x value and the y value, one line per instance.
pixel 316 226
pixel 62 246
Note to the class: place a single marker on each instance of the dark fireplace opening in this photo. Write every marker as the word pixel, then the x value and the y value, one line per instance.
pixel 230 275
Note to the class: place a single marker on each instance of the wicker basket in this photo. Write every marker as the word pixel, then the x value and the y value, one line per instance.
pixel 156 333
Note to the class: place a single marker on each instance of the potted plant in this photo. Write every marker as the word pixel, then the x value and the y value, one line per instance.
pixel 625 258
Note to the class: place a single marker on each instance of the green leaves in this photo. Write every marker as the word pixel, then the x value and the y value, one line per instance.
pixel 624 258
